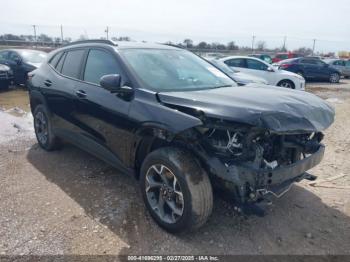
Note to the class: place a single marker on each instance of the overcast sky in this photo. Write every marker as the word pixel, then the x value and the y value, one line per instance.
pixel 208 20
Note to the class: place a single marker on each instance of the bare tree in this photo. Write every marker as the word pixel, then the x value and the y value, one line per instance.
pixel 261 45
pixel 188 43
pixel 232 46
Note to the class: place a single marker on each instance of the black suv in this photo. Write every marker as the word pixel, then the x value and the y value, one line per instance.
pixel 179 124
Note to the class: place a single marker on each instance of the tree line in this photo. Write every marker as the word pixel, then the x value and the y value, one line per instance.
pixel 260 46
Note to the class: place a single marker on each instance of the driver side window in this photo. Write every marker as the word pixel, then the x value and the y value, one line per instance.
pixel 256 65
pixel 98 64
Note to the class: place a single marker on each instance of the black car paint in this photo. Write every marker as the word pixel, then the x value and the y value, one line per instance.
pixel 20 68
pixel 122 130
pixel 269 108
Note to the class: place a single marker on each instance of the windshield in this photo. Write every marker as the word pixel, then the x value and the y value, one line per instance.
pixel 33 56
pixel 174 70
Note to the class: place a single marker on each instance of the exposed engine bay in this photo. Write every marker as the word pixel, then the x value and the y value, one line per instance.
pixel 257 162
pixel 266 150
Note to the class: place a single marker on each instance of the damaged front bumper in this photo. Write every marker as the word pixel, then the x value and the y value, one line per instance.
pixel 249 184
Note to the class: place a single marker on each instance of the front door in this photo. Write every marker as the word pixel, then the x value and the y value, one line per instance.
pixel 102 115
pixel 16 64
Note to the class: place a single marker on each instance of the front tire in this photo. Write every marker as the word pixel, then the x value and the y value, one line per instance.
pixel 334 78
pixel 43 129
pixel 286 84
pixel 176 190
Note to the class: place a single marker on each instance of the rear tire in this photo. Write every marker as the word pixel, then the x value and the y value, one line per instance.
pixel 334 78
pixel 286 84
pixel 43 129
pixel 176 190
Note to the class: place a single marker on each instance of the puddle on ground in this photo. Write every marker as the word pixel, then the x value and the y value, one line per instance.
pixel 15 101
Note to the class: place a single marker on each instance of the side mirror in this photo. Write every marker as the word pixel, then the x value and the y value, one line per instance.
pixel 112 83
pixel 270 69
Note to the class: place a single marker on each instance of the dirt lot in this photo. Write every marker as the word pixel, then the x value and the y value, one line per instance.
pixel 68 202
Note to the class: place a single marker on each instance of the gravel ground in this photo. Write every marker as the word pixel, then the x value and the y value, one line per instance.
pixel 68 202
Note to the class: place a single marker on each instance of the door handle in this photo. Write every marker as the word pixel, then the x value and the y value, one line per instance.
pixel 80 94
pixel 47 83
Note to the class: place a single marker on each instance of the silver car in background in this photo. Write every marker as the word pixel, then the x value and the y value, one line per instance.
pixel 342 65
pixel 237 76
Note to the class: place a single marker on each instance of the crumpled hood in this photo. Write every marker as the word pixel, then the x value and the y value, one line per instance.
pixel 273 108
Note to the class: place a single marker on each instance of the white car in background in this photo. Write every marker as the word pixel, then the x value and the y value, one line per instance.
pixel 271 74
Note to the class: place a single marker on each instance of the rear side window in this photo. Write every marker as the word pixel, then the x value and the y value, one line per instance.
pixel 72 62
pixel 54 60
pixel 235 62
pixel 98 64
pixel 256 65
pixel 309 61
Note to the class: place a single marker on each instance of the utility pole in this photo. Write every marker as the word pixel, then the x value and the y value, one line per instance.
pixel 34 27
pixel 253 40
pixel 284 43
pixel 107 29
pixel 313 47
pixel 61 34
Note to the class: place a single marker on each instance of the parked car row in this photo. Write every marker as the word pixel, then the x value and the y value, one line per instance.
pixel 179 124
pixel 258 68
pixel 21 62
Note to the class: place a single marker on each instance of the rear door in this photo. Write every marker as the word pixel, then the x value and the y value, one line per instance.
pixel 59 86
pixel 103 116
pixel 310 68
pixel 339 64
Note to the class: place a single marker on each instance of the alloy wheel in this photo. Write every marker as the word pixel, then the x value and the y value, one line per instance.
pixel 164 193
pixel 41 127
pixel 334 78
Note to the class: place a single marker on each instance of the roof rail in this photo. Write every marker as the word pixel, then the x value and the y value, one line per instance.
pixel 98 41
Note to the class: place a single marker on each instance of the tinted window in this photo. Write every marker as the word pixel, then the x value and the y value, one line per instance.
pixel 72 62
pixel 55 59
pixel 347 63
pixel 4 55
pixel 238 62
pixel 282 56
pixel 98 64
pixel 14 56
pixel 309 61
pixel 60 62
pixel 256 65
pixel 339 63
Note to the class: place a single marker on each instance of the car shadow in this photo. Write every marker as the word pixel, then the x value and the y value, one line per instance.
pixel 299 223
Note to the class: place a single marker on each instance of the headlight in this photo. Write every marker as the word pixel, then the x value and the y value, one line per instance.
pixel 4 68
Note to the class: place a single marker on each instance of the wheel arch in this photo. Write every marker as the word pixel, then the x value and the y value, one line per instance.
pixel 287 80
pixel 155 137
pixel 36 98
